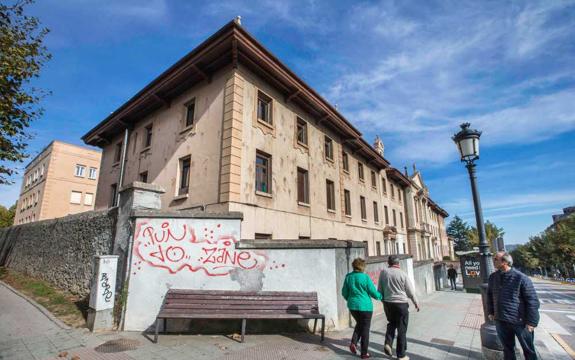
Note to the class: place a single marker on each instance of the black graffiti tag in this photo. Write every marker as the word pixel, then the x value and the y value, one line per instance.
pixel 106 286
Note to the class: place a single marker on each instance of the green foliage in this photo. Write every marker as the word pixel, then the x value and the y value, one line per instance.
pixel 458 231
pixel 554 248
pixel 492 233
pixel 22 54
pixel 7 216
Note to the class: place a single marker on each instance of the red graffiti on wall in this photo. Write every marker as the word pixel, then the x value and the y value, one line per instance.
pixel 174 246
pixel 374 276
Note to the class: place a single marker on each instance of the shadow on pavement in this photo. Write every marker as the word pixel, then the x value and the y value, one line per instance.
pixel 337 346
pixel 449 349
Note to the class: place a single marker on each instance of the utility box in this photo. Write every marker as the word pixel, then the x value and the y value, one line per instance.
pixel 102 293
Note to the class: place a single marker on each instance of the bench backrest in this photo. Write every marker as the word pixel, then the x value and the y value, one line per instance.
pixel 237 302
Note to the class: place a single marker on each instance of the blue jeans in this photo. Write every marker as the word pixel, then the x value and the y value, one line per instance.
pixel 507 331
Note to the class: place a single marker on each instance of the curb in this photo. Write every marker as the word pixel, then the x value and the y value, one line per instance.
pixel 42 309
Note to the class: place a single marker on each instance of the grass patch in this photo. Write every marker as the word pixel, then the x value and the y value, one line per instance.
pixel 69 308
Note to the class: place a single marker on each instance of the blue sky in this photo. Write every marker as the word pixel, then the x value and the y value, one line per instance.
pixel 408 71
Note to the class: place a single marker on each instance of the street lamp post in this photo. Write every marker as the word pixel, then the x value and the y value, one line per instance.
pixel 467 141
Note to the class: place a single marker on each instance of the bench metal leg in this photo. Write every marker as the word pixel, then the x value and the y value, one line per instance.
pixel 156 333
pixel 322 328
pixel 243 328
pixel 314 325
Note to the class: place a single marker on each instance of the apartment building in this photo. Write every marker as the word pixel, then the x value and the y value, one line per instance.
pixel 231 128
pixel 61 180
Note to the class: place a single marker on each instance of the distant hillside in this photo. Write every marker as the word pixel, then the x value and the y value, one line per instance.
pixel 511 247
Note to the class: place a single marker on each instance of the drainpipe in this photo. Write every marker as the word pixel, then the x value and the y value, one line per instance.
pixel 122 165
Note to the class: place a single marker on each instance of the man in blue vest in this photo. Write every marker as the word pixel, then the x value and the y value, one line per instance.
pixel 512 302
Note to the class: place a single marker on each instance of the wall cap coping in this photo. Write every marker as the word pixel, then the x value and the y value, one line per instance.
pixel 187 214
pixel 137 185
pixel 383 258
pixel 297 244
pixel 423 262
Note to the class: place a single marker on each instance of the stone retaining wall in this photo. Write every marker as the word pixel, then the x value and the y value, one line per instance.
pixel 60 251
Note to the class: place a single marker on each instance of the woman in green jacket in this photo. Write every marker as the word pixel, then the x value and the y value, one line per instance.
pixel 358 289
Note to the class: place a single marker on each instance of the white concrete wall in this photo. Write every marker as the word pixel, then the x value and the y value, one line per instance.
pixel 201 254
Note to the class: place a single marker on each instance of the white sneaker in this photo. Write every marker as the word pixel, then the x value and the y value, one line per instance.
pixel 403 358
pixel 387 350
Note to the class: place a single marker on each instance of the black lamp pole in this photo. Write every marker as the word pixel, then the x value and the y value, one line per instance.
pixel 467 141
pixel 487 267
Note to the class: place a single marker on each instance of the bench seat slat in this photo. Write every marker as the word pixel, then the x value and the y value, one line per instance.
pixel 240 316
pixel 239 297
pixel 241 293
pixel 243 306
pixel 196 302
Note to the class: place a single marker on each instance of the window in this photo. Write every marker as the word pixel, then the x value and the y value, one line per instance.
pixel 366 248
pixel 80 169
pixel 347 202
pixel 384 185
pixel 301 131
pixel 184 176
pixel 394 218
pixel 330 194
pixel 263 172
pixel 88 199
pixel 302 186
pixel 190 112
pixel 399 194
pixel 264 108
pixel 75 197
pixel 401 219
pixel 92 173
pixel 386 213
pixel 360 171
pixel 375 212
pixel 118 153
pixel 42 169
pixel 345 161
pixel 113 193
pixel 148 136
pixel 260 236
pixel 392 191
pixel 378 248
pixel 144 177
pixel 363 210
pixel 373 181
pixel 328 148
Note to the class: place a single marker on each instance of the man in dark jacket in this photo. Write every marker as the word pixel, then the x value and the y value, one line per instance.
pixel 512 302
pixel 452 275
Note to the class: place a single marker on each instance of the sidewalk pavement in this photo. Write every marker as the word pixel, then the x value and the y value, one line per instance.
pixel 446 328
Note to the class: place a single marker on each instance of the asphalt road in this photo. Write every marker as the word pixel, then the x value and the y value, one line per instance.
pixel 557 311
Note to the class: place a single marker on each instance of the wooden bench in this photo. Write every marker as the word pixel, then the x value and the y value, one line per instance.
pixel 218 304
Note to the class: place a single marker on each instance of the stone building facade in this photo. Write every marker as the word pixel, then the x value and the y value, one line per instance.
pixel 230 128
pixel 59 181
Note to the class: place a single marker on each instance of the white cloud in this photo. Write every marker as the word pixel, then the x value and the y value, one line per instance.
pixel 501 73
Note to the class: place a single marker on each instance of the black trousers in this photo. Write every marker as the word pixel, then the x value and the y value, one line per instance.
pixel 452 282
pixel 397 319
pixel 507 331
pixel 361 331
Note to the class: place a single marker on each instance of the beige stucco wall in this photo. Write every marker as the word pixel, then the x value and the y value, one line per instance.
pixel 171 141
pixel 53 189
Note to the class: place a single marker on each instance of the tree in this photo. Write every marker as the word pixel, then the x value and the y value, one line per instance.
pixel 7 216
pixel 458 231
pixel 492 233
pixel 22 55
